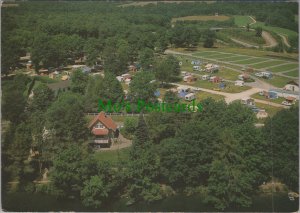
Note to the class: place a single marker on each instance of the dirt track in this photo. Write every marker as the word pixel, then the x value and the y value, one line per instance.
pixel 270 40
pixel 285 40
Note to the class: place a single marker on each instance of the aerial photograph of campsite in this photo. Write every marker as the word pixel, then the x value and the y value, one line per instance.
pixel 149 106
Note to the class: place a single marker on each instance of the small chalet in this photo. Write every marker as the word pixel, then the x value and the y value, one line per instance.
pixel 103 129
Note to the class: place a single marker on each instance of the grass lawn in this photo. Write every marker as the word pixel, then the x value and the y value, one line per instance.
pixel 278 81
pixel 267 64
pixel 294 73
pixel 113 156
pixel 242 20
pixel 226 57
pixel 251 61
pixel 186 64
pixel 277 100
pixel 216 56
pixel 251 52
pixel 205 53
pixel 231 88
pixel 237 58
pixel 200 96
pixel 228 74
pixel 201 18
pixel 284 67
pixel 271 110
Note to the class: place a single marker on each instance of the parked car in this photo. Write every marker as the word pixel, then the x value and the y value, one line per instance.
pixel 259 74
pixel 286 103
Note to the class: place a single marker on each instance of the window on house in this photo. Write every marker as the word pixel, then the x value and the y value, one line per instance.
pixel 99 126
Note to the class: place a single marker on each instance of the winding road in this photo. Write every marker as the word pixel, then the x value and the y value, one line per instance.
pixel 269 39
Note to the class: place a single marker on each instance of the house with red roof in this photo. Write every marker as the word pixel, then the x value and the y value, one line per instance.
pixel 104 130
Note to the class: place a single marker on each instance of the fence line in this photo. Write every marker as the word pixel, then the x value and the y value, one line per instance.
pixel 115 114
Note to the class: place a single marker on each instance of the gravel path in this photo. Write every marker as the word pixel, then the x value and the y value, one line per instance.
pixel 122 143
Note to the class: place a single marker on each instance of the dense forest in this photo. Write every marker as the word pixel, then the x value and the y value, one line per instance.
pixel 217 152
pixel 57 33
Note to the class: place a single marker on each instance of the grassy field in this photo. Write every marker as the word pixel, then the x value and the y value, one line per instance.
pixel 278 81
pixel 247 51
pixel 251 61
pixel 277 100
pixel 228 74
pixel 242 20
pixel 294 73
pixel 284 67
pixel 237 58
pixel 206 53
pixel 113 156
pixel 201 18
pixel 267 64
pixel 225 73
pixel 231 88
pixel 271 110
pixel 200 96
